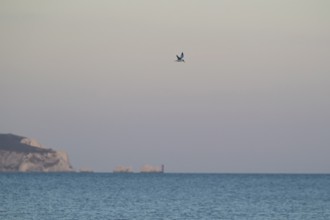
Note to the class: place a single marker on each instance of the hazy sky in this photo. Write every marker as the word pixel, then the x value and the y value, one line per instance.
pixel 98 79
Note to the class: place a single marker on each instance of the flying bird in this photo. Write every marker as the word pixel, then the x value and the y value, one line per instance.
pixel 180 58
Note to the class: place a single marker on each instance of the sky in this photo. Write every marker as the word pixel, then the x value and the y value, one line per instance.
pixel 99 80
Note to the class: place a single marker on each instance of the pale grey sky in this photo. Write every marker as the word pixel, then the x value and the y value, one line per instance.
pixel 98 79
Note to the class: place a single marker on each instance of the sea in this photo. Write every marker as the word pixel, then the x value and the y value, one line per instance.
pixel 99 196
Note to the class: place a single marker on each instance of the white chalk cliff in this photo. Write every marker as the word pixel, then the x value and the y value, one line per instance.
pixel 21 154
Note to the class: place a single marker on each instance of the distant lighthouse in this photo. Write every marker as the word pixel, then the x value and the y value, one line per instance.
pixel 162 169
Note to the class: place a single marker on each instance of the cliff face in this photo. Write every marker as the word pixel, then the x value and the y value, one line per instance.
pixel 21 154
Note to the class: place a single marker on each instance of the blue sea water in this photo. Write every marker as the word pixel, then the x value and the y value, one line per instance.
pixel 163 196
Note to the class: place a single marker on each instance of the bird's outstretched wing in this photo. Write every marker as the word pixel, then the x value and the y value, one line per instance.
pixel 178 57
pixel 182 55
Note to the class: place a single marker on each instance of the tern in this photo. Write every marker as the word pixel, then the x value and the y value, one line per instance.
pixel 180 58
